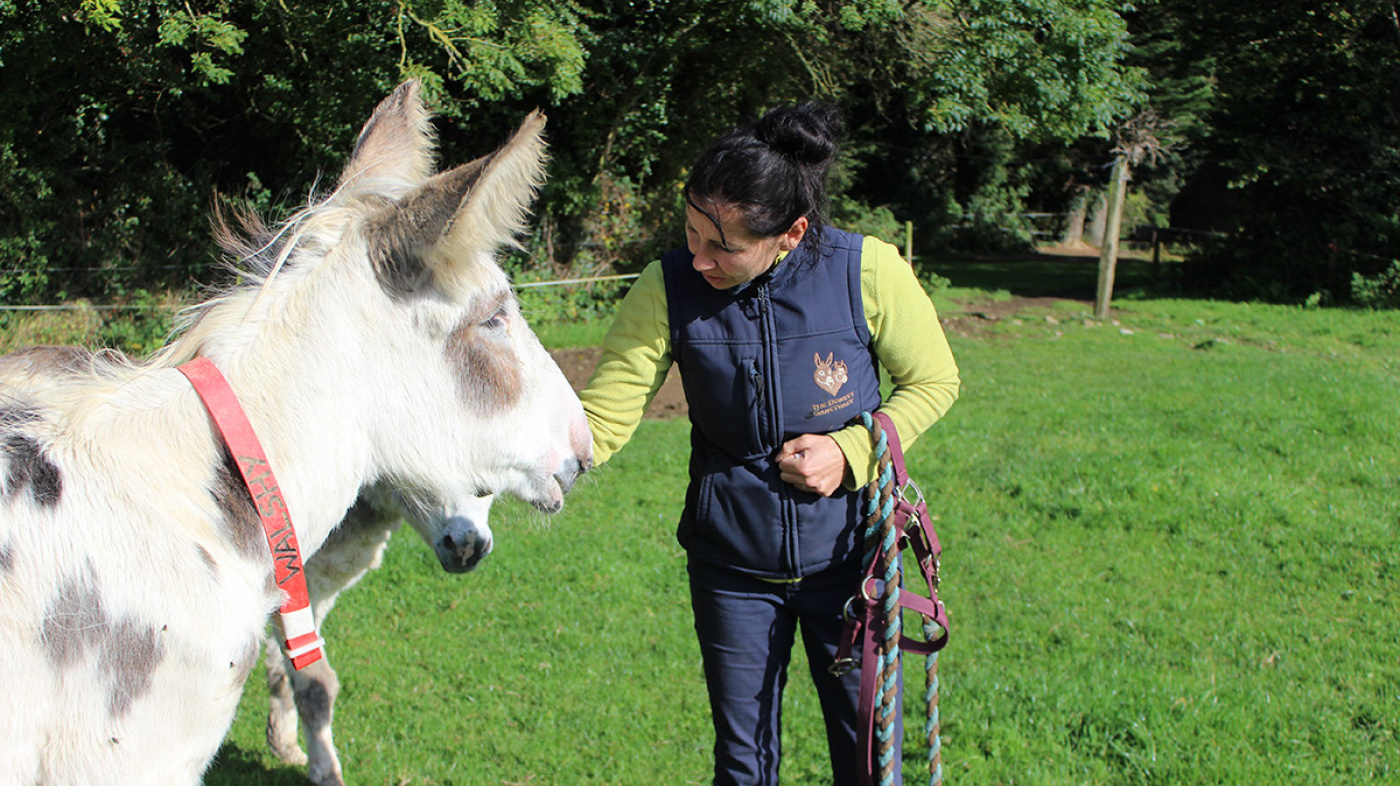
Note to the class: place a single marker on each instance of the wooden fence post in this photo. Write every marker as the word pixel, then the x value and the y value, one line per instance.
pixel 1108 253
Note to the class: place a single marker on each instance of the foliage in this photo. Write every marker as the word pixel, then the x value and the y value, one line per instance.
pixel 1305 127
pixel 1037 68
pixel 991 219
pixel 142 328
pixel 126 120
pixel 1379 291
pixel 932 282
pixel 140 324
pixel 1278 133
pixel 1139 210
pixel 544 302
pixel 877 221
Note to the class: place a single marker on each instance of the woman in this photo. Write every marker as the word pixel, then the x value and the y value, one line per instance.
pixel 778 324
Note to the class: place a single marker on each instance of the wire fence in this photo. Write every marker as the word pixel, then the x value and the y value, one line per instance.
pixel 1042 223
pixel 623 277
pixel 176 306
pixel 1042 228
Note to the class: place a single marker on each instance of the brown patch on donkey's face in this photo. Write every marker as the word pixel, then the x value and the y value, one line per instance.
pixel 480 351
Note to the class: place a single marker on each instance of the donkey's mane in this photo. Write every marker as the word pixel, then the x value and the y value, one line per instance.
pixel 262 259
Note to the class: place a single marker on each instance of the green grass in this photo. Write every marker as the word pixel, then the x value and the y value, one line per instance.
pixel 1170 551
pixel 564 335
pixel 1048 273
pixel 1170 558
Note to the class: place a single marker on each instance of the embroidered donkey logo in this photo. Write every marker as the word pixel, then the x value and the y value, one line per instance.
pixel 829 376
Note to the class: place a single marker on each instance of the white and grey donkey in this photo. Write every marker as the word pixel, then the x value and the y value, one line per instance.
pixel 374 339
pixel 460 536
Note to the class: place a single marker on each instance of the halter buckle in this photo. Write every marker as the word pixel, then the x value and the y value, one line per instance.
pixel 849 612
pixel 842 667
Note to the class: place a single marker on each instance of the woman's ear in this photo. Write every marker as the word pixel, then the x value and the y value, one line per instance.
pixel 791 238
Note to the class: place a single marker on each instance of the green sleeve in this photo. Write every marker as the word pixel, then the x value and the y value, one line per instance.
pixel 636 356
pixel 910 345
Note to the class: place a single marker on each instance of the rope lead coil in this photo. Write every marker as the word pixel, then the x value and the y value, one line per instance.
pixel 884 542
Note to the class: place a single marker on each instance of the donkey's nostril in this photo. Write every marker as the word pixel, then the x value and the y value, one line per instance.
pixel 568 475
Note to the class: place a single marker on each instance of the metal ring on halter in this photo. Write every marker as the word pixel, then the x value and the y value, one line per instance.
pixel 848 612
pixel 841 667
pixel 918 492
pixel 865 589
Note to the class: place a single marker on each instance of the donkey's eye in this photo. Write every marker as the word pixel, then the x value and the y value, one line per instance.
pixel 497 321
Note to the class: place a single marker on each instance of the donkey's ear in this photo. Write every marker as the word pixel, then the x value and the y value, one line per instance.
pixel 494 210
pixel 444 227
pixel 396 142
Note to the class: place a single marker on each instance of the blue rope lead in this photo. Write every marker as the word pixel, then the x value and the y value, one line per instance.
pixel 882 550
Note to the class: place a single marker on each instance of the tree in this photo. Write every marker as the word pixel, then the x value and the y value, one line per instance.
pixel 124 119
pixel 127 118
pixel 1305 127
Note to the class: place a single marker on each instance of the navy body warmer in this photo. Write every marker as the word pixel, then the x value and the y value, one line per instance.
pixel 786 354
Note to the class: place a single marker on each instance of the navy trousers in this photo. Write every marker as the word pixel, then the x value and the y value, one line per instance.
pixel 746 631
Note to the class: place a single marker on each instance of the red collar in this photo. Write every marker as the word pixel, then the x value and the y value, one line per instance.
pixel 304 645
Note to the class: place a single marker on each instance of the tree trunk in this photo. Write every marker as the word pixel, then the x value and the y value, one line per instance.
pixel 1078 213
pixel 1094 232
pixel 1113 221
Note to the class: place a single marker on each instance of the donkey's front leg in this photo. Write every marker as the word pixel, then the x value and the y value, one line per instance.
pixel 315 688
pixel 282 707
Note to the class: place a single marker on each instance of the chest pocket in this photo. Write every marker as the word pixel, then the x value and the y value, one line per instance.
pixel 725 390
pixel 827 381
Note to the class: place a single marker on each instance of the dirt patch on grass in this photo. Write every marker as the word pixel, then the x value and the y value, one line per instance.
pixel 974 319
pixel 577 364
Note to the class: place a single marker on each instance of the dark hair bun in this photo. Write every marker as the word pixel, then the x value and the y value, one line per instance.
pixel 807 133
pixel 773 170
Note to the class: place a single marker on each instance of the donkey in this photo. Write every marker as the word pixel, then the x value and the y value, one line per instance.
pixel 460 536
pixel 458 533
pixel 376 339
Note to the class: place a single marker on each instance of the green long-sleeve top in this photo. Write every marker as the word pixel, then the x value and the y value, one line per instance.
pixel 905 334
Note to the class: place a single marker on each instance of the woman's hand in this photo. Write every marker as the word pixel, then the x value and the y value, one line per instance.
pixel 812 462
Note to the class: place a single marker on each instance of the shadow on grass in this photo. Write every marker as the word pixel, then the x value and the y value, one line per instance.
pixel 234 766
pixel 1046 273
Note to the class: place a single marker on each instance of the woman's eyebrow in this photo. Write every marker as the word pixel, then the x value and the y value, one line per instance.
pixel 716 243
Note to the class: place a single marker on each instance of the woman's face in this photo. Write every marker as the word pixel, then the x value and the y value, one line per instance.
pixel 735 256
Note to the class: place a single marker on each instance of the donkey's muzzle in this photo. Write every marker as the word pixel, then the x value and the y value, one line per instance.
pixel 462 545
pixel 569 474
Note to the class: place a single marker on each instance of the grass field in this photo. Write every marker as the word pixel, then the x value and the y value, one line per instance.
pixel 1170 559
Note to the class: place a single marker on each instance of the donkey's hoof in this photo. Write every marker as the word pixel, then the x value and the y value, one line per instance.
pixel 285 746
pixel 330 777
pixel 294 755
